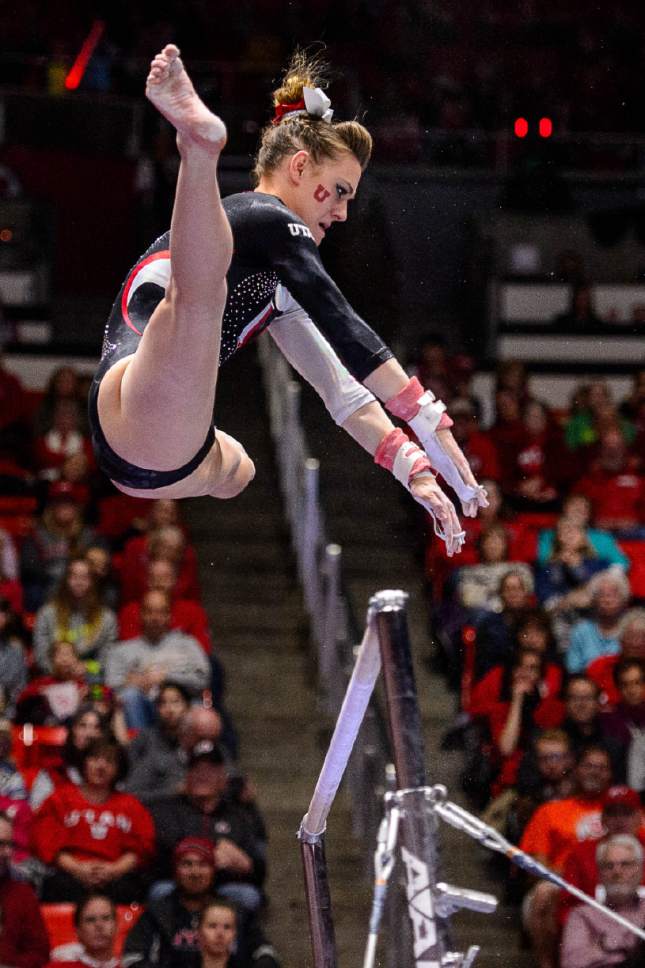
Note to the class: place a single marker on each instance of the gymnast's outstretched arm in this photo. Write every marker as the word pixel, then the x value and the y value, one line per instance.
pixel 355 409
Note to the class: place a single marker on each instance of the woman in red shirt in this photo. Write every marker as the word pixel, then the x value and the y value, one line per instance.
pixel 516 701
pixel 92 836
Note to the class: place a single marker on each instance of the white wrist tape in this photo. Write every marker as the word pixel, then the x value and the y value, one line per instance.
pixel 401 456
pixel 444 465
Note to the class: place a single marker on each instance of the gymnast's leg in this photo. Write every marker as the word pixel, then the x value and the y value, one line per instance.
pixel 156 406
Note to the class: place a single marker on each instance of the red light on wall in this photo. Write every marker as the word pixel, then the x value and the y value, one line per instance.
pixel 521 127
pixel 79 66
pixel 545 127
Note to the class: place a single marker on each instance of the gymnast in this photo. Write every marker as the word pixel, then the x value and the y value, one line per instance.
pixel 229 269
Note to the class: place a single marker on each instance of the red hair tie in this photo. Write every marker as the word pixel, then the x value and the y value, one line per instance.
pixel 282 109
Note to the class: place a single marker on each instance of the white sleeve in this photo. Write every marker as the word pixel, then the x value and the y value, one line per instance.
pixel 308 352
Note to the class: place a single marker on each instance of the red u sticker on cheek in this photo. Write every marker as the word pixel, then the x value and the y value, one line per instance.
pixel 321 194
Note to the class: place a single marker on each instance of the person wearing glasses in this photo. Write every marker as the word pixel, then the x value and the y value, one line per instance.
pixel 591 939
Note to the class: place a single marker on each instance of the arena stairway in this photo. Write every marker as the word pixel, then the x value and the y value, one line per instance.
pixel 250 590
pixel 251 593
pixel 382 537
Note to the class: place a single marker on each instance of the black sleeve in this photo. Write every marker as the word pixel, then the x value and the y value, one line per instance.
pixel 295 258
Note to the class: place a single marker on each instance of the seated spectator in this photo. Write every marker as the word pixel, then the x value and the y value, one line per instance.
pixel 96 929
pixel 92 836
pixel 76 615
pixel 577 508
pixel 185 615
pixel 550 836
pixel 105 582
pixel 13 667
pixel 63 384
pixel 583 725
pixel 585 426
pixel 137 667
pixel 536 468
pixel 85 727
pixel 632 646
pixel 478 585
pixel 157 767
pixel 23 936
pixel 64 442
pixel 11 782
pixel 169 926
pixel 205 810
pixel 205 723
pixel 60 535
pixel 517 712
pixel 439 566
pixel 621 814
pixel 562 584
pixel 545 773
pixel 625 724
pixel 590 938
pixel 615 486
pixel 534 631
pixel 104 701
pixel 10 587
pixel 599 634
pixel 167 542
pixel 477 446
pixel 52 700
pixel 217 937
pixel 497 631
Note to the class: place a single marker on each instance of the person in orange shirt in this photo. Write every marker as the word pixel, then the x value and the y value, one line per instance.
pixel 621 814
pixel 551 834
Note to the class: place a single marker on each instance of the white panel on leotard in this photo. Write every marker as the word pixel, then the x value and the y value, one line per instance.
pixel 157 272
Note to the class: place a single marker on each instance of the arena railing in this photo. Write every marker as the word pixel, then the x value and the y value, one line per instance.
pixel 319 562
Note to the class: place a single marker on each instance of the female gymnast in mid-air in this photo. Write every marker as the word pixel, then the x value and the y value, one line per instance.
pixel 228 270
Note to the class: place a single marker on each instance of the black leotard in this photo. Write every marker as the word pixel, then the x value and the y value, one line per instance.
pixel 275 261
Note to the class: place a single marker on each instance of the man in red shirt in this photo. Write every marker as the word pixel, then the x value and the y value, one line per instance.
pixel 23 936
pixel 185 615
pixel 615 485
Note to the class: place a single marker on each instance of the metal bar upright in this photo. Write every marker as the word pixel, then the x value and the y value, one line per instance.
pixel 418 827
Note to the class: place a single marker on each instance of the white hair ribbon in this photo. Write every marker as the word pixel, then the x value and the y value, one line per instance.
pixel 317 103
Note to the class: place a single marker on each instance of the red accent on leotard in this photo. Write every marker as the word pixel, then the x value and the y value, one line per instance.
pixel 165 254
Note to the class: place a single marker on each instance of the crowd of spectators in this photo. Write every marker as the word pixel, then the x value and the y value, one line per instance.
pixel 119 783
pixel 433 64
pixel 540 624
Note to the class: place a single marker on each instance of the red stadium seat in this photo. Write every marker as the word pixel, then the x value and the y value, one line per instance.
pixel 59 921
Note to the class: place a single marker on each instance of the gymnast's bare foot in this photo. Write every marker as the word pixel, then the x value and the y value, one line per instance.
pixel 171 91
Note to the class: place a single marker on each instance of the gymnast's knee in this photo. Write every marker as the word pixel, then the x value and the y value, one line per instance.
pixel 243 475
pixel 238 477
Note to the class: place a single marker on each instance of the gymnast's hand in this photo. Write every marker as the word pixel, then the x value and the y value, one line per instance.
pixel 426 491
pixel 473 496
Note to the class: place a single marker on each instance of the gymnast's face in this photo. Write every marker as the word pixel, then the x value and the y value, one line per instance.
pixel 319 193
